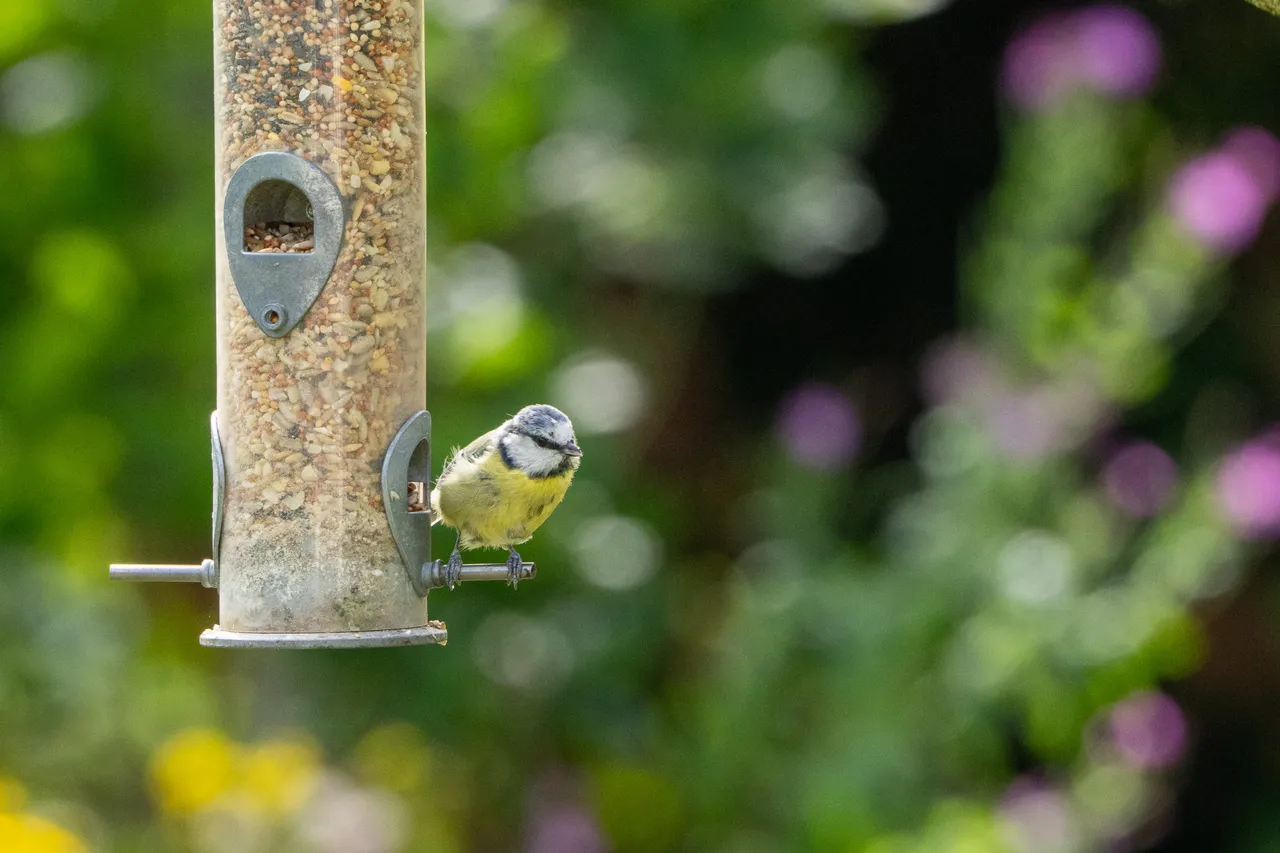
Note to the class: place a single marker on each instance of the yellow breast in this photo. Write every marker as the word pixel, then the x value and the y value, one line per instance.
pixel 494 506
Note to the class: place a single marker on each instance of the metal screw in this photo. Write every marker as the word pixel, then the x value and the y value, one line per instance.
pixel 274 316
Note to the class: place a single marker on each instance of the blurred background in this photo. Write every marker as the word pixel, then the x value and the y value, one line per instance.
pixel 926 359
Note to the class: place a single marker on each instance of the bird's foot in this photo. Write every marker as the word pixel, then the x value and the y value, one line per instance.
pixel 453 569
pixel 515 567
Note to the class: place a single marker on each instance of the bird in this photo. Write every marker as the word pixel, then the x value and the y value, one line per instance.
pixel 501 487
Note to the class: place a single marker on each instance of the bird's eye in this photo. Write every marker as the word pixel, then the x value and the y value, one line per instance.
pixel 540 441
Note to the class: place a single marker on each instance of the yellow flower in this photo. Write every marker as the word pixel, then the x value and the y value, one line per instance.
pixel 279 775
pixel 12 795
pixel 31 834
pixel 192 770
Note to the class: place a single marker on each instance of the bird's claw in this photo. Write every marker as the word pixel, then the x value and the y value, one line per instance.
pixel 515 568
pixel 453 569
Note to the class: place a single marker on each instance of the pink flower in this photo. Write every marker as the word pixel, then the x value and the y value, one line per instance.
pixel 558 822
pixel 1140 479
pixel 1038 65
pixel 1148 730
pixel 819 427
pixel 1248 488
pixel 1218 201
pixel 1108 48
pixel 1118 50
pixel 565 829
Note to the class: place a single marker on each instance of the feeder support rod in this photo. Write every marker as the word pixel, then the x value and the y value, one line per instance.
pixel 205 574
pixel 433 573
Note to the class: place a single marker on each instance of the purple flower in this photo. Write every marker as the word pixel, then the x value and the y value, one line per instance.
pixel 1038 68
pixel 1148 730
pixel 1259 153
pixel 558 823
pixel 1140 479
pixel 1248 488
pixel 565 828
pixel 1108 48
pixel 1118 51
pixel 819 427
pixel 1218 202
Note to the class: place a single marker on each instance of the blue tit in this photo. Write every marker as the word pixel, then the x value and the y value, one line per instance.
pixel 501 487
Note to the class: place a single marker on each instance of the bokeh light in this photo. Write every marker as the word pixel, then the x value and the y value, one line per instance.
pixel 1148 730
pixel 1218 201
pixel 603 393
pixel 482 313
pixel 279 776
pixel 1140 478
pixel 522 652
pixel 33 834
pixel 955 370
pixel 1037 66
pixel 813 220
pixel 1035 567
pixel 1110 49
pixel 1031 423
pixel 1258 151
pixel 1038 818
pixel 819 427
pixel 880 10
pixel 1248 489
pixel 800 82
pixel 1119 51
pixel 344 818
pixel 194 769
pixel 615 552
pixel 1111 798
pixel 469 14
pixel 46 92
pixel 1023 425
pixel 565 829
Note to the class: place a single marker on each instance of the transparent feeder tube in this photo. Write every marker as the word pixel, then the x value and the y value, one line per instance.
pixel 306 417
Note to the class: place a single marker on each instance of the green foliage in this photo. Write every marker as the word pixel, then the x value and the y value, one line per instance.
pixel 716 656
pixel 1273 8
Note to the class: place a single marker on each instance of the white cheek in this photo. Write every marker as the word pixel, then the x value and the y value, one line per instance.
pixel 548 461
pixel 531 458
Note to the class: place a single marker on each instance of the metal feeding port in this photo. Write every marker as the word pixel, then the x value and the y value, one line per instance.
pixel 321 439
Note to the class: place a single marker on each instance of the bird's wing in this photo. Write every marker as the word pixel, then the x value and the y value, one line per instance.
pixel 472 452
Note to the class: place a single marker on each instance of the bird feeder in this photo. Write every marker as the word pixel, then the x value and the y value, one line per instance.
pixel 321 438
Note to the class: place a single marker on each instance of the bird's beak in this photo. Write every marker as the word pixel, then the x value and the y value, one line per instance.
pixel 572 449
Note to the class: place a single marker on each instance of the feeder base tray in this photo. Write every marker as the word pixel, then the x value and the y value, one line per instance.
pixel 218 639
